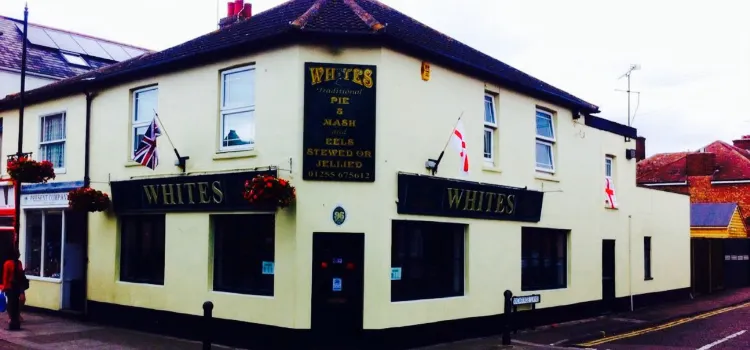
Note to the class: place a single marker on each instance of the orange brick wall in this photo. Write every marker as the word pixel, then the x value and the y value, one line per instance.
pixel 701 191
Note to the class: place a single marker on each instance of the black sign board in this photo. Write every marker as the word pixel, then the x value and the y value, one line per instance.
pixel 339 126
pixel 435 196
pixel 526 299
pixel 214 192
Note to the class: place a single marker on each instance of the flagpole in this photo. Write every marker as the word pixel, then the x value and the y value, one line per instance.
pixel 180 159
pixel 436 162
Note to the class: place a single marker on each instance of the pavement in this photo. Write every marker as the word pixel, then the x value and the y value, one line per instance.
pixel 44 332
pixel 688 324
pixel 585 333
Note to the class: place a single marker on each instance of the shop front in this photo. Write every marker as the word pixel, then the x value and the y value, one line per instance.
pixel 53 247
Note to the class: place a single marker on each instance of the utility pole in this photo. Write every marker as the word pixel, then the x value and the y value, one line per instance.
pixel 633 67
pixel 20 154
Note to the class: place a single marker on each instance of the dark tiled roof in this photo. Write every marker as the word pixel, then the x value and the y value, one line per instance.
pixel 732 163
pixel 41 60
pixel 711 214
pixel 346 22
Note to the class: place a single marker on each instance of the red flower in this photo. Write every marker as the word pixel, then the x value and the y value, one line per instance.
pixel 269 189
pixel 88 199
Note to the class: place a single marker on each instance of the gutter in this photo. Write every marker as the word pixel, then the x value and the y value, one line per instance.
pixel 729 182
pixel 669 184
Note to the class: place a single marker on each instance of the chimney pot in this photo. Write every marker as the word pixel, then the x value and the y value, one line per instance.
pixel 247 11
pixel 238 6
pixel 230 9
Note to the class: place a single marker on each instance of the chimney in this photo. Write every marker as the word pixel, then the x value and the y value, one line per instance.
pixel 640 149
pixel 237 11
pixel 700 163
pixel 743 142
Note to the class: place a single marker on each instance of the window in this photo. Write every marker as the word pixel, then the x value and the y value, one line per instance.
pixel 238 109
pixel 544 258
pixel 609 163
pixel 52 139
pixel 145 104
pixel 74 59
pixel 244 254
pixel 647 258
pixel 142 249
pixel 545 141
pixel 430 258
pixel 490 127
pixel 44 237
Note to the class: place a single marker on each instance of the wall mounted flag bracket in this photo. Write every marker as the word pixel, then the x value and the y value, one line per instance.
pixel 180 161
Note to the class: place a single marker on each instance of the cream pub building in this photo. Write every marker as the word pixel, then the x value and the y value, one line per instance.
pixel 352 102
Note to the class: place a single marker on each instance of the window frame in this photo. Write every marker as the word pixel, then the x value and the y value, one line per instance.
pixel 490 127
pixel 450 229
pixel 63 141
pixel 609 164
pixel 226 110
pixel 134 124
pixel 562 236
pixel 43 212
pixel 67 55
pixel 120 237
pixel 545 140
pixel 254 291
pixel 647 258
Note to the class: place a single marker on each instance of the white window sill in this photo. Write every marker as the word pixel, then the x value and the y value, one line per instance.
pixel 489 167
pixel 141 284
pixel 244 295
pixel 546 176
pixel 44 279
pixel 220 155
pixel 60 171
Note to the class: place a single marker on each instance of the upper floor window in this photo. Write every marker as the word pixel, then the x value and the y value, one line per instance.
pixel 545 141
pixel 52 139
pixel 490 128
pixel 609 163
pixel 74 59
pixel 237 109
pixel 145 105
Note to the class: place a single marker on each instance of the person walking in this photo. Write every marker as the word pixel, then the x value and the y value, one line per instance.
pixel 14 287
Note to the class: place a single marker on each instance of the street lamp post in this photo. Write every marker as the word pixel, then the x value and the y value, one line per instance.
pixel 20 154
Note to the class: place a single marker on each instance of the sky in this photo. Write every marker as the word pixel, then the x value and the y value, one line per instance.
pixel 694 57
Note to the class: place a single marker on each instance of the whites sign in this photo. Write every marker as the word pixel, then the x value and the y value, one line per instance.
pixel 44 200
pixel 527 299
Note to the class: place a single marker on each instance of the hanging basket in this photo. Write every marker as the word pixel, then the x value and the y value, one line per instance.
pixel 24 169
pixel 269 190
pixel 86 199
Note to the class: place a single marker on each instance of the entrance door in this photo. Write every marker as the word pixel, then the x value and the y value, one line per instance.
pixel 337 285
pixel 74 263
pixel 608 275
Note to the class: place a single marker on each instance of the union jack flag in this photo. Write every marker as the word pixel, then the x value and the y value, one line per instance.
pixel 147 154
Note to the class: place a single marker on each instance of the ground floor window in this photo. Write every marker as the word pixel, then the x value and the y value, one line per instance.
pixel 244 253
pixel 544 258
pixel 142 249
pixel 427 260
pixel 44 240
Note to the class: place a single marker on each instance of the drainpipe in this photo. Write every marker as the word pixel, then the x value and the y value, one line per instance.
pixel 630 261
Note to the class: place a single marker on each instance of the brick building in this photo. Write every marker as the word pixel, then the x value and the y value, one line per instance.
pixel 717 173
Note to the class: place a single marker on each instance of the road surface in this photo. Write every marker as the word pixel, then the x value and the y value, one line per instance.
pixel 727 328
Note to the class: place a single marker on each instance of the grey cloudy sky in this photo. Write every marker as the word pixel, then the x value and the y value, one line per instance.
pixel 695 55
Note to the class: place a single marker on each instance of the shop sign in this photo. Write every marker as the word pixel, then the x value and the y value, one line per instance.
pixel 436 196
pixel 213 192
pixel 44 200
pixel 339 122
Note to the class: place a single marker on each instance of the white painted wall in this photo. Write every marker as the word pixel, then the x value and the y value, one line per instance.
pixel 10 82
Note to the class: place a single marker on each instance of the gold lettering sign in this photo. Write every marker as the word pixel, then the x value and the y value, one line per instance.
pixel 362 77
pixel 470 200
pixel 175 194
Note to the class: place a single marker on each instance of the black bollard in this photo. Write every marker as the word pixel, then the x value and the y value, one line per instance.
pixel 506 316
pixel 208 308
